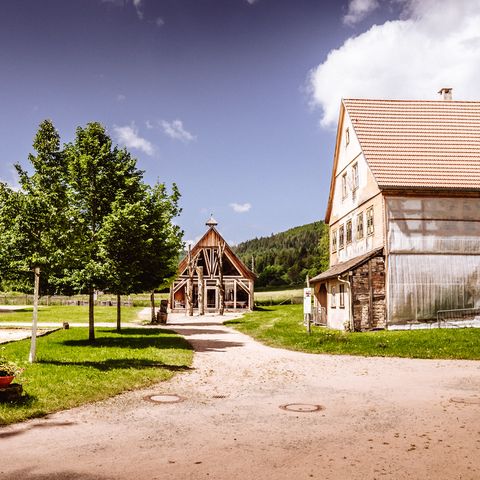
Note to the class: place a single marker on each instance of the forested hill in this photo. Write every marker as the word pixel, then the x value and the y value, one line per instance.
pixel 285 258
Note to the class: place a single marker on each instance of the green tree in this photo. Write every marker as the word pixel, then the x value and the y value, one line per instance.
pixel 99 176
pixel 140 245
pixel 36 234
pixel 162 240
pixel 122 243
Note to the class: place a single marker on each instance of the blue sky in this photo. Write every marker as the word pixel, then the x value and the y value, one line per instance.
pixel 234 100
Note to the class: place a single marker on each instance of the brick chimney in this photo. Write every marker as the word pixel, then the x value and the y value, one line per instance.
pixel 446 93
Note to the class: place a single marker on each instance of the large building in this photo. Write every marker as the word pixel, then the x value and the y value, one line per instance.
pixel 238 280
pixel 403 213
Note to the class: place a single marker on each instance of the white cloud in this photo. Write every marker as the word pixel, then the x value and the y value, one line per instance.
pixel 128 136
pixel 358 10
pixel 137 4
pixel 149 125
pixel 176 131
pixel 240 207
pixel 159 22
pixel 121 97
pixel 434 44
pixel 138 8
pixel 251 2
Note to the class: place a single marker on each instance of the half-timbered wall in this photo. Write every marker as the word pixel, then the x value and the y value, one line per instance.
pixel 237 279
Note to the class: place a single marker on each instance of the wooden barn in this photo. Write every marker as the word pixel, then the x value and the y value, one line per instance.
pixel 211 264
pixel 404 215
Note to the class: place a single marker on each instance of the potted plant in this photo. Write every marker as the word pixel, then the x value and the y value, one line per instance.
pixel 8 371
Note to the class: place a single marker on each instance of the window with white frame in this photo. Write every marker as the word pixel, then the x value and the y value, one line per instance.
pixel 348 232
pixel 341 291
pixel 370 226
pixel 360 226
pixel 355 177
pixel 341 237
pixel 334 300
pixel 334 241
pixel 347 136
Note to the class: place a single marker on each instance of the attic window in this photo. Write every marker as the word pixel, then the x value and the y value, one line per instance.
pixel 344 186
pixel 355 176
pixel 347 137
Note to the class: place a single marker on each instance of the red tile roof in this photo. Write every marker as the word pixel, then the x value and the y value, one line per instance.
pixel 419 144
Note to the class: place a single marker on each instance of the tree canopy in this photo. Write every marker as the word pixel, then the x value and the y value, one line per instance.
pixel 86 219
pixel 287 257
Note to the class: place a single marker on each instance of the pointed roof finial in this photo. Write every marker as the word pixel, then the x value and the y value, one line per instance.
pixel 211 222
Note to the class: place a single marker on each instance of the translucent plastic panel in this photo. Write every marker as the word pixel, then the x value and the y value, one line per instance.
pixel 434 236
pixel 433 208
pixel 420 285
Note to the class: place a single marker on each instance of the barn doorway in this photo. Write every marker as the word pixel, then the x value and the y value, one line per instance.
pixel 212 298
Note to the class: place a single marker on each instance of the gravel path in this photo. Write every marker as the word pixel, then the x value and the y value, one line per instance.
pixel 381 418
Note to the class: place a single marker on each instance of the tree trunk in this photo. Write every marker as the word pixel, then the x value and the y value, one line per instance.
pixel 190 296
pixel 36 290
pixel 119 313
pixel 201 303
pixel 91 318
pixel 192 265
pixel 152 305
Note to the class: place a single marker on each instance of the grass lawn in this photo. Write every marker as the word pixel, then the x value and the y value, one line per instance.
pixel 70 371
pixel 70 314
pixel 282 326
pixel 278 296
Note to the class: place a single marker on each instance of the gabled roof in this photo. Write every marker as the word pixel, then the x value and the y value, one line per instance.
pixel 212 238
pixel 419 144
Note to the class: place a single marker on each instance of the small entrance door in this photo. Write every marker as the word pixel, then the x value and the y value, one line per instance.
pixel 212 298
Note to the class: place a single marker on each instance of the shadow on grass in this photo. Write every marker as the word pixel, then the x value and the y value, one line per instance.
pixel 144 332
pixel 25 400
pixel 259 308
pixel 120 363
pixel 126 341
pixel 235 321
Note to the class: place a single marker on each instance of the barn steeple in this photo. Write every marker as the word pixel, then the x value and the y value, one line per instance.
pixel 211 222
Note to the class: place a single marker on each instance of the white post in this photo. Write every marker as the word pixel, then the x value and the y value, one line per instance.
pixel 307 305
pixel 33 343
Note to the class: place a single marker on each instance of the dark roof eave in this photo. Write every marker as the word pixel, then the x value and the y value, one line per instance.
pixel 341 268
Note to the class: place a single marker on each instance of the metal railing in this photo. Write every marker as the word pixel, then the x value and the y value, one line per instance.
pixel 461 317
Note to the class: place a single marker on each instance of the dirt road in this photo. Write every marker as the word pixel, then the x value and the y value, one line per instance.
pixel 380 418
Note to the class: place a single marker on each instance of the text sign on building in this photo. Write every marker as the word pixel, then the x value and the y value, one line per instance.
pixel 307 301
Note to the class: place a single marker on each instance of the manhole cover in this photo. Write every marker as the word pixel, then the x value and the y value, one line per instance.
pixel 301 407
pixel 467 400
pixel 164 398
